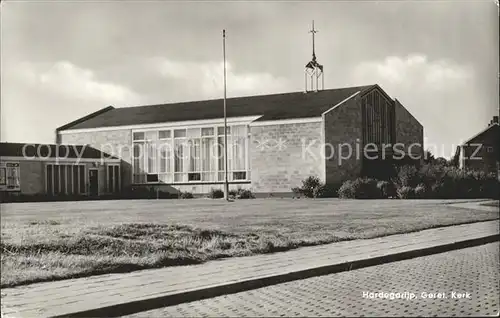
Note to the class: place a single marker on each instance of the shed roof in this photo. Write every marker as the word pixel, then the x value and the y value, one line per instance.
pixel 29 150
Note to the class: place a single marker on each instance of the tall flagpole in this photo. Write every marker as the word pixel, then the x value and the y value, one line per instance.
pixel 226 182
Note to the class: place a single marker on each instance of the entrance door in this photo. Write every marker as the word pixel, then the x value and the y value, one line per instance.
pixel 93 182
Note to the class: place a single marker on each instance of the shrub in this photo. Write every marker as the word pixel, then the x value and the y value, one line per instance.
pixel 407 176
pixel 216 194
pixel 368 189
pixel 458 183
pixel 244 194
pixel 387 189
pixel 325 191
pixel 443 181
pixel 186 195
pixel 310 186
pixel 241 194
pixel 433 180
pixel 297 192
pixel 233 193
pixel 420 191
pixel 347 190
pixel 361 188
pixel 430 173
pixel 436 190
pixel 406 192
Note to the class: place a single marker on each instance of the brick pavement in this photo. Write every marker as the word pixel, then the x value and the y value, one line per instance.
pixel 472 270
pixel 113 294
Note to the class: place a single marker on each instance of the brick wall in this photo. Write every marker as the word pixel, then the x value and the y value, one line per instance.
pixel 32 177
pixel 343 125
pixel 115 142
pixel 479 157
pixel 408 131
pixel 482 153
pixel 282 155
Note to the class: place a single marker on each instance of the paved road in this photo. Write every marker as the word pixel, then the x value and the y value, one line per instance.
pixel 93 296
pixel 471 273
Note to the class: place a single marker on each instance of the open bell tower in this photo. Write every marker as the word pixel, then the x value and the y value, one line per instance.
pixel 313 70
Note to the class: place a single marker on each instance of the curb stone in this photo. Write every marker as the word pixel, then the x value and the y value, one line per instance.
pixel 245 285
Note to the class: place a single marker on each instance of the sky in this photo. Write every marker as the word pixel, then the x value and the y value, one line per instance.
pixel 63 60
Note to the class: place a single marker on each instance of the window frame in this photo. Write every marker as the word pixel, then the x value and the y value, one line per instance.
pixel 113 166
pixel 139 132
pixel 74 169
pixel 376 109
pixel 182 136
pixel 165 130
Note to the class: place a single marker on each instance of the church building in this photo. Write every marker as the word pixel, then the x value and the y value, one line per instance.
pixel 275 141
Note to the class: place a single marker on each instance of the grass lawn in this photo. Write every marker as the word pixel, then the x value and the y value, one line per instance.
pixel 491 203
pixel 56 240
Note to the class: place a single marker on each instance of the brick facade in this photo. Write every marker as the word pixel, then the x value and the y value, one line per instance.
pixel 32 177
pixel 282 155
pixel 32 174
pixel 408 131
pixel 482 152
pixel 343 132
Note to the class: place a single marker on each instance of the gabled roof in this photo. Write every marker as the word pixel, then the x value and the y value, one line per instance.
pixel 492 126
pixel 271 107
pixel 29 150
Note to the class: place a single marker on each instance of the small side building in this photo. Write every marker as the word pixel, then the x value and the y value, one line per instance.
pixel 481 151
pixel 57 170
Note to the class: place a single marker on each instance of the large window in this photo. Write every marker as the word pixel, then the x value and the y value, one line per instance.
pixel 145 155
pixel 209 154
pixel 65 179
pixel 190 155
pixel 239 153
pixel 180 155
pixel 165 152
pixel 378 122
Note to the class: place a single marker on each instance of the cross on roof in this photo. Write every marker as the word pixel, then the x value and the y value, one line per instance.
pixel 313 31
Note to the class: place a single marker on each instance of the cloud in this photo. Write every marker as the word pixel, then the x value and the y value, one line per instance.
pixel 438 93
pixel 70 81
pixel 38 97
pixel 206 78
pixel 414 70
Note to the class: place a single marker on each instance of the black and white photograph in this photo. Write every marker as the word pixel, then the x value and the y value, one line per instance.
pixel 164 158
